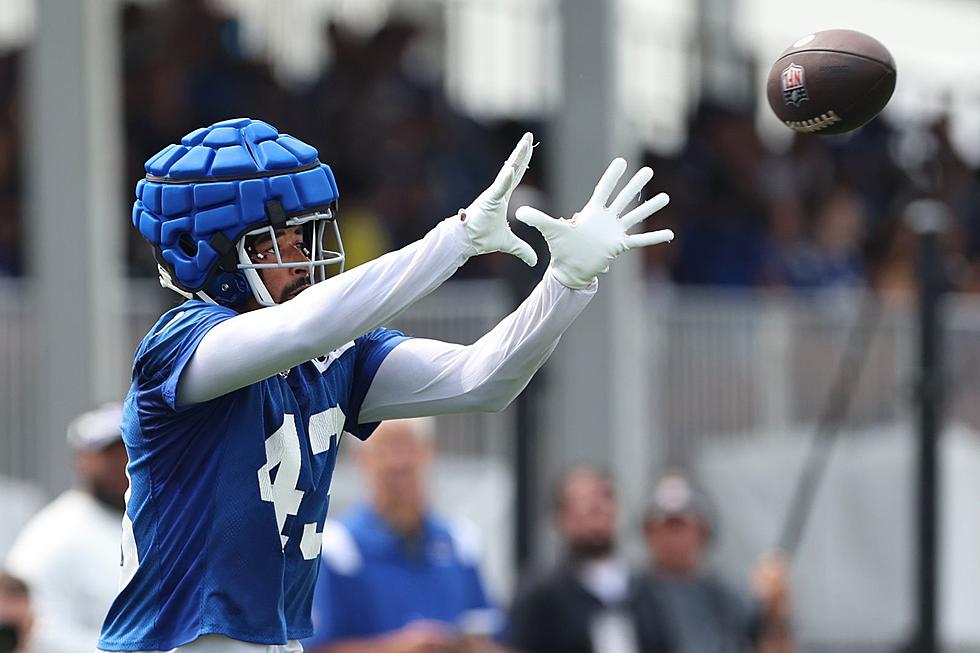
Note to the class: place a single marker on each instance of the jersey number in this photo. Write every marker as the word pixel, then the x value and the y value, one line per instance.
pixel 282 450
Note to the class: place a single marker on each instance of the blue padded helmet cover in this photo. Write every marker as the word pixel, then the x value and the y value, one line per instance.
pixel 201 196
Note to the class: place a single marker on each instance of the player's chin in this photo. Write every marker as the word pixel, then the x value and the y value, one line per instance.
pixel 293 294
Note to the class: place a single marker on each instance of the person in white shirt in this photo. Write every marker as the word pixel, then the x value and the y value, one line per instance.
pixel 68 554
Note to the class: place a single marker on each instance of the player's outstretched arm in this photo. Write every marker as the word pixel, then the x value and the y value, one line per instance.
pixel 258 344
pixel 428 377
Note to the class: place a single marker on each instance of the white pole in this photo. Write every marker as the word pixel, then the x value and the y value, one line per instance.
pixel 75 218
pixel 600 369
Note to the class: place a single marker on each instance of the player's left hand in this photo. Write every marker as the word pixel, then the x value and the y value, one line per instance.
pixel 583 247
pixel 486 218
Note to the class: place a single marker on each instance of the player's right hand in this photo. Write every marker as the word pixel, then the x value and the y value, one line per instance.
pixel 486 218
pixel 583 247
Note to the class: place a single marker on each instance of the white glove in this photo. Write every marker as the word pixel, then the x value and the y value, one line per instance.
pixel 582 248
pixel 486 218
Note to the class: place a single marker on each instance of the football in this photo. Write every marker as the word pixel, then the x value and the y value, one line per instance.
pixel 831 82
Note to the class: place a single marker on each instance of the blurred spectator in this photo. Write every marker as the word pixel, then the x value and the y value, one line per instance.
pixel 721 206
pixel 403 155
pixel 820 215
pixel 394 576
pixel 16 615
pixel 825 214
pixel 593 602
pixel 829 256
pixel 706 615
pixel 171 90
pixel 69 552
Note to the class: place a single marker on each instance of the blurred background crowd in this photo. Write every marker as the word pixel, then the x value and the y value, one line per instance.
pixel 821 213
pixel 398 576
pixel 669 523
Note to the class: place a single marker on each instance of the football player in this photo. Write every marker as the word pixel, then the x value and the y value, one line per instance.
pixel 239 396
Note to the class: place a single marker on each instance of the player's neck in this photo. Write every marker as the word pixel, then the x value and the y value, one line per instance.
pixel 248 305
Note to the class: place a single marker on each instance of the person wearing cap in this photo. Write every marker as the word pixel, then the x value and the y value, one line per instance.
pixel 706 614
pixel 68 554
pixel 593 602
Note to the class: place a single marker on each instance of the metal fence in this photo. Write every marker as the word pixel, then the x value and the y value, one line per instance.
pixel 458 312
pixel 739 381
pixel 742 365
pixel 728 365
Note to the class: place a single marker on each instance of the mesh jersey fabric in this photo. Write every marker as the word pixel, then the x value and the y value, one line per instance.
pixel 396 580
pixel 228 497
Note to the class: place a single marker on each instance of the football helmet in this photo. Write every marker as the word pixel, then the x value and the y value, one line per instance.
pixel 204 201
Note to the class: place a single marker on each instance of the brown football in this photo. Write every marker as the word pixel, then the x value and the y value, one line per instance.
pixel 831 82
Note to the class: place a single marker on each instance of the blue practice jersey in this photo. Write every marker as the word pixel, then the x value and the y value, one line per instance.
pixel 228 497
pixel 374 581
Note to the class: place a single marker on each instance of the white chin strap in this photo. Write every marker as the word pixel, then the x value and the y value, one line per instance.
pixel 167 282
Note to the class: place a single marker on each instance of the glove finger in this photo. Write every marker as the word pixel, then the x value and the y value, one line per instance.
pixel 522 250
pixel 652 238
pixel 498 189
pixel 537 219
pixel 607 183
pixel 631 190
pixel 523 159
pixel 519 150
pixel 645 210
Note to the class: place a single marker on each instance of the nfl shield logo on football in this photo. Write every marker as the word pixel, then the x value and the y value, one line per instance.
pixel 794 88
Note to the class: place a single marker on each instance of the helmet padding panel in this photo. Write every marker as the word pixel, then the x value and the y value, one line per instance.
pixel 191 193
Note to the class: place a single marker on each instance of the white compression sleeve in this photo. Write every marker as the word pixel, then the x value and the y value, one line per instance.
pixel 427 377
pixel 255 345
